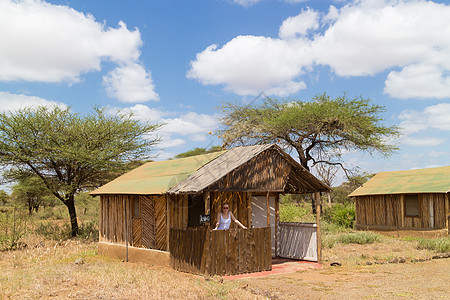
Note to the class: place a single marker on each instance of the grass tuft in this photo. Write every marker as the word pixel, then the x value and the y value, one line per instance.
pixel 360 237
pixel 439 245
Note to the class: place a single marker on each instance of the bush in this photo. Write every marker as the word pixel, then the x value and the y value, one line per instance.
pixel 53 231
pixel 89 230
pixel 340 214
pixel 438 245
pixel 292 212
pixel 360 237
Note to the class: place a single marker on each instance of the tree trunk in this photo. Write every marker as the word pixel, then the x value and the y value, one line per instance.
pixel 70 203
pixel 313 203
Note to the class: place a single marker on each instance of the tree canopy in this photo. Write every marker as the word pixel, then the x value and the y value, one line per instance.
pixel 198 151
pixel 71 152
pixel 320 131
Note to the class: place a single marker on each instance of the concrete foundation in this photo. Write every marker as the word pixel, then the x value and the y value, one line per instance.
pixel 149 256
pixel 404 232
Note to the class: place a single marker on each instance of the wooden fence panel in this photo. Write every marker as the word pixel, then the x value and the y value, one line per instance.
pixel 221 252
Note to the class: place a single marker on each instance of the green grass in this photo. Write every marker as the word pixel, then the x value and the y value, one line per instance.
pixel 360 237
pixel 439 245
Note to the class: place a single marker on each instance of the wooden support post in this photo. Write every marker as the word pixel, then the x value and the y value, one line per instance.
pixel 268 209
pixel 277 221
pixel 249 209
pixel 167 221
pixel 319 237
pixel 402 211
pixel 447 211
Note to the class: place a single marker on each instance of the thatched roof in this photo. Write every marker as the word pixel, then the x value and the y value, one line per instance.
pixel 420 181
pixel 242 166
pixel 298 179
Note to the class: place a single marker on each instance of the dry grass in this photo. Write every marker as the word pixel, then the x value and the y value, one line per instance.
pixel 50 272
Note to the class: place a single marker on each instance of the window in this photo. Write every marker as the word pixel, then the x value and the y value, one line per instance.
pixel 412 206
pixel 136 208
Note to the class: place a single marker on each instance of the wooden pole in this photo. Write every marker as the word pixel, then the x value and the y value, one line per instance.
pixel 268 209
pixel 447 211
pixel 277 221
pixel 249 208
pixel 319 237
pixel 126 229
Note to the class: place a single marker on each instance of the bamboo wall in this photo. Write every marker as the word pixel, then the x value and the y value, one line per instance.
pixel 220 252
pixel 388 210
pixel 148 230
pixel 178 211
pixel 112 218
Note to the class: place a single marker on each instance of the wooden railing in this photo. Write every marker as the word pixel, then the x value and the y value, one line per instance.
pixel 220 252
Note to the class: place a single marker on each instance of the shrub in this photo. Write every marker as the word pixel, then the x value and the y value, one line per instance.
pixel 89 230
pixel 53 231
pixel 438 245
pixel 340 214
pixel 360 237
pixel 292 212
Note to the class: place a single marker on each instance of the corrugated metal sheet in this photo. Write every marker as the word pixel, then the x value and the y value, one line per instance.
pixel 432 180
pixel 156 177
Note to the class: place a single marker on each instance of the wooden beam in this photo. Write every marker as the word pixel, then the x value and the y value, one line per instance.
pixel 402 211
pixel 447 211
pixel 268 209
pixel 277 220
pixel 166 197
pixel 249 209
pixel 319 238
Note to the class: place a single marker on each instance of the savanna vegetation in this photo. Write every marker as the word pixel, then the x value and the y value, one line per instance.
pixel 49 223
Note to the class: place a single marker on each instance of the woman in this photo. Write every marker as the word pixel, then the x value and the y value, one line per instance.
pixel 225 217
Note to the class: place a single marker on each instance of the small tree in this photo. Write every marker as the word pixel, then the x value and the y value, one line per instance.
pixel 31 192
pixel 72 152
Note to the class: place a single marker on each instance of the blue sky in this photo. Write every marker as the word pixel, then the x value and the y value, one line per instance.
pixel 175 61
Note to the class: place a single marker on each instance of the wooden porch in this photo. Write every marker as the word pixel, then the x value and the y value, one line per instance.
pixel 220 252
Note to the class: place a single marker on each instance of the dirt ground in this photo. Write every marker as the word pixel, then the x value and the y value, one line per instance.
pixel 421 280
pixel 50 271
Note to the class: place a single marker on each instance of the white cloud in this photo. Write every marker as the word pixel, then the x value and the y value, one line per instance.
pixel 432 117
pixel 299 25
pixel 246 3
pixel 418 81
pixel 130 83
pixel 43 42
pixel 248 65
pixel 362 38
pixel 178 127
pixel 424 141
pixel 13 102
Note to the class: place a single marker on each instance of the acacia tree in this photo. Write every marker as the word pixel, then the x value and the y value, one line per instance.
pixel 320 131
pixel 72 152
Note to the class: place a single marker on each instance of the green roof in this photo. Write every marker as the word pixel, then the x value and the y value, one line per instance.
pixel 420 181
pixel 156 177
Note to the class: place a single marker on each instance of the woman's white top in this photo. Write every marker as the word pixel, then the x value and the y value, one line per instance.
pixel 224 223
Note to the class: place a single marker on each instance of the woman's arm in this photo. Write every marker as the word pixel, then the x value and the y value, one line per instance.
pixel 236 221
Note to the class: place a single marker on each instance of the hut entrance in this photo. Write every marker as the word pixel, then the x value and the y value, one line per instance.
pixel 196 207
pixel 259 216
